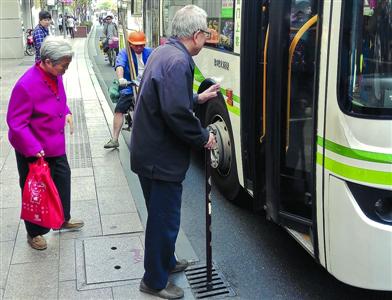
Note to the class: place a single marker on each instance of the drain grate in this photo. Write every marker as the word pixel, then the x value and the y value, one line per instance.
pixel 217 288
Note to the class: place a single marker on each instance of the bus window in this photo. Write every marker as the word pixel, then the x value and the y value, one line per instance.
pixel 366 60
pixel 220 19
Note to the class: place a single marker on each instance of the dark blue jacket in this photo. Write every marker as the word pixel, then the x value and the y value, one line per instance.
pixel 164 127
pixel 122 61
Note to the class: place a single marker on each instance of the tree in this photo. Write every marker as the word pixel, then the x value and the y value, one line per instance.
pixel 80 8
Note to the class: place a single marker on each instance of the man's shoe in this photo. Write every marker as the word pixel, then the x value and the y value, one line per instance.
pixel 181 265
pixel 38 242
pixel 111 144
pixel 73 224
pixel 170 292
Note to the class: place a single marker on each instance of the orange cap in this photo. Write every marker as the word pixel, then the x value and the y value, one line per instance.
pixel 137 38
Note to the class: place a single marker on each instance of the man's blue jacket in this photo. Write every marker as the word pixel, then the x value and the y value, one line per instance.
pixel 164 126
pixel 122 61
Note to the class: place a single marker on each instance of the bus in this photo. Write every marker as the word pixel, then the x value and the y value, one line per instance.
pixel 303 120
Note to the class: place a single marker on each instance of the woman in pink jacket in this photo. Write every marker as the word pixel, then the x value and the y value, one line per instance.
pixel 36 117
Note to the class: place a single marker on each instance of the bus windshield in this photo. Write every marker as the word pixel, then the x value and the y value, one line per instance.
pixel 366 61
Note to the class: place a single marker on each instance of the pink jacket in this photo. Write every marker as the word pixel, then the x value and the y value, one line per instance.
pixel 36 116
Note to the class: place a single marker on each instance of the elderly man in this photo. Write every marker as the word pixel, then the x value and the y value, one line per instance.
pixel 37 114
pixel 164 131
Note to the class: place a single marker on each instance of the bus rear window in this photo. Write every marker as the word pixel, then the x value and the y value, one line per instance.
pixel 366 60
pixel 220 19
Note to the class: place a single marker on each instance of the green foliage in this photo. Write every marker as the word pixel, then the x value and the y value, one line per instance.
pixel 106 5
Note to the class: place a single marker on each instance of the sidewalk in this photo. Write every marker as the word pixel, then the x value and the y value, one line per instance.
pixel 104 260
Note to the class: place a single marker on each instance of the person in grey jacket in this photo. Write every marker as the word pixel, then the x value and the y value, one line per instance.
pixel 164 131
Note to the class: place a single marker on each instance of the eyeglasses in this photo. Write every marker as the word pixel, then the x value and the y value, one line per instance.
pixel 206 33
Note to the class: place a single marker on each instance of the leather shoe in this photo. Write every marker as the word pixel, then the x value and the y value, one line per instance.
pixel 73 224
pixel 171 291
pixel 38 242
pixel 181 265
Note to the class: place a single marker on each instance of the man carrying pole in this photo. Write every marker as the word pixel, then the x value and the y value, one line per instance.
pixel 130 65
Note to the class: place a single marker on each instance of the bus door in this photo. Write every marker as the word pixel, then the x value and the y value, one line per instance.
pixel 290 130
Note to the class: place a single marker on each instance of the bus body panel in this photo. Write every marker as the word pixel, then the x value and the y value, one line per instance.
pixel 361 249
pixel 358 249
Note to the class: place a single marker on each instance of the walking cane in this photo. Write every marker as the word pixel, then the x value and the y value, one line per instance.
pixel 208 213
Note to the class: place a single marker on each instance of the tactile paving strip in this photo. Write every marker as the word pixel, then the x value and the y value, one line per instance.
pixel 78 147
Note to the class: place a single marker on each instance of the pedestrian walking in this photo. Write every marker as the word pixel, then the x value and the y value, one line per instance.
pixel 36 117
pixel 140 53
pixel 41 31
pixel 70 26
pixel 164 131
pixel 60 23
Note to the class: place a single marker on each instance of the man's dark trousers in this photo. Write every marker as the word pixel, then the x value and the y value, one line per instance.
pixel 163 201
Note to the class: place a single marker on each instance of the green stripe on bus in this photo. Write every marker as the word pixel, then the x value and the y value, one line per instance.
pixel 233 109
pixel 355 173
pixel 355 153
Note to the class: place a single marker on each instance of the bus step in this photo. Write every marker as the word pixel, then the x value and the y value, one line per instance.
pixel 201 289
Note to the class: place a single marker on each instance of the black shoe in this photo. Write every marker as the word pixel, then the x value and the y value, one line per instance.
pixel 181 265
pixel 170 292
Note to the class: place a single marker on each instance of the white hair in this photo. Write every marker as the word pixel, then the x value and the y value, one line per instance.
pixel 188 20
pixel 55 48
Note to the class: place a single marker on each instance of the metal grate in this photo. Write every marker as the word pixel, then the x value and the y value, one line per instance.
pixel 78 147
pixel 217 288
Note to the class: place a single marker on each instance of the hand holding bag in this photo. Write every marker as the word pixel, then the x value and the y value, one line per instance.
pixel 41 202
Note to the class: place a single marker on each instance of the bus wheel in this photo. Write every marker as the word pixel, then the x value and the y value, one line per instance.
pixel 224 171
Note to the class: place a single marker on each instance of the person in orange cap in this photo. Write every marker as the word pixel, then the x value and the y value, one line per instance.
pixel 140 53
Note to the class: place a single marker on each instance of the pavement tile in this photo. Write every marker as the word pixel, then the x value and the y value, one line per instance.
pixel 81 172
pixel 109 176
pixel 23 253
pixel 6 249
pixel 10 218
pixel 10 195
pixel 83 188
pixel 111 159
pixel 131 291
pixel 67 260
pixel 116 205
pixel 88 212
pixel 68 291
pixel 123 223
pixel 39 281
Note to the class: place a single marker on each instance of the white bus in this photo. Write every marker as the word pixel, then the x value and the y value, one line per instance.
pixel 304 120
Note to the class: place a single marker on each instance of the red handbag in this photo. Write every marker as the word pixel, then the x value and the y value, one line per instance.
pixel 41 202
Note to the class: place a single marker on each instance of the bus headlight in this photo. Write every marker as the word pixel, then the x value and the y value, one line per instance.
pixel 375 203
pixel 383 209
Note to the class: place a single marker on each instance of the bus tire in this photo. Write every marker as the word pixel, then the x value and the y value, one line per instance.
pixel 214 113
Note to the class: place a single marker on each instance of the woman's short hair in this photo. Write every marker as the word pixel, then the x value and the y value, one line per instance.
pixel 55 48
pixel 44 15
pixel 188 20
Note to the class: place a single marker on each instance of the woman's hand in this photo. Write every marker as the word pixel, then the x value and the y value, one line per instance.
pixel 69 120
pixel 40 154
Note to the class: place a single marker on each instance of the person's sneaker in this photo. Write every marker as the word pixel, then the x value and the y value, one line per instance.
pixel 38 242
pixel 112 144
pixel 181 265
pixel 73 224
pixel 170 292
